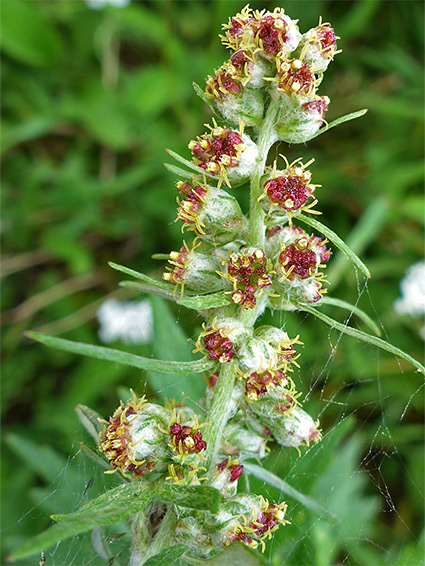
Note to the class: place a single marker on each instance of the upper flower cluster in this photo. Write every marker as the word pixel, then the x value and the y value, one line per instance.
pixel 271 57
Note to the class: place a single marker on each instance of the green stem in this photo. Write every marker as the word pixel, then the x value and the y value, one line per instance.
pixel 218 414
pixel 266 138
pixel 163 538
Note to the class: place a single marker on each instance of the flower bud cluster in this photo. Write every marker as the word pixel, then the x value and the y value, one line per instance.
pixel 286 192
pixel 141 438
pixel 226 154
pixel 272 58
pixel 209 212
pixel 250 520
pixel 246 264
pixel 243 518
pixel 132 440
pixel 248 271
pixel 298 260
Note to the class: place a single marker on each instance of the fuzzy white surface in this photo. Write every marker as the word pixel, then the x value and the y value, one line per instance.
pixel 127 321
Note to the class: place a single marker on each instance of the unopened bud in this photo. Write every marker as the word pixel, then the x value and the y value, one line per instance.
pixel 133 441
pixel 211 213
pixel 240 154
pixel 294 428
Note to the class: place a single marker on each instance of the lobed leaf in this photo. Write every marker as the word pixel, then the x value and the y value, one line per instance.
pixel 335 239
pixel 120 357
pixel 360 335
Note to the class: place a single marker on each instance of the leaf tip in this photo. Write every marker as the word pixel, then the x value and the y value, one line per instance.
pixel 31 334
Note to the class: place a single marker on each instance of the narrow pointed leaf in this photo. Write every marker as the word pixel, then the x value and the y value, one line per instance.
pixel 332 237
pixel 89 453
pixel 138 275
pixel 194 301
pixel 338 121
pixel 119 357
pixel 206 100
pixel 194 497
pixel 363 233
pixel 189 164
pixel 150 290
pixel 111 507
pixel 90 421
pixel 353 309
pixel 198 302
pixel 363 336
pixel 202 302
pixel 168 556
pixel 182 173
pixel 275 481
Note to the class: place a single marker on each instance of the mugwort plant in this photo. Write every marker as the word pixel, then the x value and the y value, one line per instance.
pixel 183 470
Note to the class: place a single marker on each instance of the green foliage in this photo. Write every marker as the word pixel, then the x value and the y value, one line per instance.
pixel 168 556
pixel 360 335
pixel 116 505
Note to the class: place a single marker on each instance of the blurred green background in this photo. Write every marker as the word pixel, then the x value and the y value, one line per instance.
pixel 90 100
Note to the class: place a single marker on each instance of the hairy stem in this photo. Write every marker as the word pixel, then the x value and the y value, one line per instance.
pixel 218 414
pixel 162 539
pixel 266 138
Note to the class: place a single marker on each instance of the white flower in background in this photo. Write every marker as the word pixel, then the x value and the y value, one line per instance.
pixel 412 300
pixel 128 321
pixel 98 4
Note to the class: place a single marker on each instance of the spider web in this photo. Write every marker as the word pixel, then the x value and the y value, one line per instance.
pixel 364 461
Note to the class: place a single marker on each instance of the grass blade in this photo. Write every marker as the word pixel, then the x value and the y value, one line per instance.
pixel 360 335
pixel 119 357
pixel 335 239
pixel 364 232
